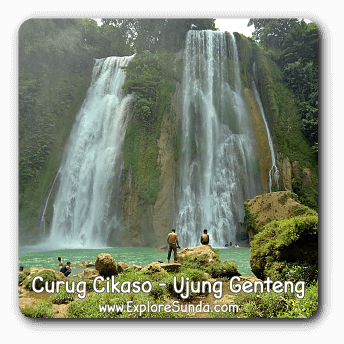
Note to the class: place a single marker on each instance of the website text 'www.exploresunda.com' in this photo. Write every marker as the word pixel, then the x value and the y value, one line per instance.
pixel 175 307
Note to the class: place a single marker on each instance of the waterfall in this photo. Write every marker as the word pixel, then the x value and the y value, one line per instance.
pixel 42 225
pixel 219 166
pixel 274 172
pixel 84 208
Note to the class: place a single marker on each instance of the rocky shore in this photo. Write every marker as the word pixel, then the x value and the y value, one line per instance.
pixel 105 266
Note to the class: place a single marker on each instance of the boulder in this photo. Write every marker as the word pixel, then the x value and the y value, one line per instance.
pixel 203 250
pixel 122 266
pixel 154 267
pixel 306 177
pixel 105 264
pixel 89 274
pixel 265 208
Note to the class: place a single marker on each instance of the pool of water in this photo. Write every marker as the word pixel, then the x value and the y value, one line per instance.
pixel 130 255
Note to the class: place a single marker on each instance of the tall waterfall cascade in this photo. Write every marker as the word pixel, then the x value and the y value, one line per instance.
pixel 274 172
pixel 84 212
pixel 220 167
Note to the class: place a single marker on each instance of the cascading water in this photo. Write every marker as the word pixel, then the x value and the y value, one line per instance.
pixel 84 210
pixel 274 172
pixel 42 226
pixel 219 160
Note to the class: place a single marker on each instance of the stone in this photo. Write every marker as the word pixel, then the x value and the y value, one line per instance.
pixel 241 232
pixel 306 177
pixel 295 170
pixel 265 208
pixel 89 274
pixel 154 267
pixel 105 264
pixel 286 175
pixel 203 250
pixel 122 266
pixel 264 156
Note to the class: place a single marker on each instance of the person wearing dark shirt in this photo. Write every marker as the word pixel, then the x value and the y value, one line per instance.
pixel 66 270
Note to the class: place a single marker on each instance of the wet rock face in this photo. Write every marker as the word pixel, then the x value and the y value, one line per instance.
pixel 265 161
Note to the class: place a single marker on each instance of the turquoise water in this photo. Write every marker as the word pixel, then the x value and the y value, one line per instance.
pixel 130 255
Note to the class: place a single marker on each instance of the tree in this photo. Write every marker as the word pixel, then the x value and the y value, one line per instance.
pixel 105 40
pixel 299 62
pixel 158 34
pixel 296 45
pixel 271 32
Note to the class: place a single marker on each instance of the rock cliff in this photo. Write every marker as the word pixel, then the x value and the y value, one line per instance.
pixel 263 209
pixel 265 161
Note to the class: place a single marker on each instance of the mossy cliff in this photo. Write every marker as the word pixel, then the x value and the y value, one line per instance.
pixel 273 206
pixel 150 149
pixel 284 237
pixel 287 250
pixel 296 161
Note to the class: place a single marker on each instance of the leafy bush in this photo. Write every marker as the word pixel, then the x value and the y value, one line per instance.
pixel 215 269
pixel 219 269
pixel 22 275
pixel 48 276
pixel 272 305
pixel 44 309
pixel 194 262
pixel 284 244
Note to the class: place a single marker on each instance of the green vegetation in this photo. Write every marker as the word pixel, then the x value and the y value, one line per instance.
pixel 250 219
pixel 55 63
pixel 216 269
pixel 197 269
pixel 44 309
pixel 245 51
pixel 287 248
pixel 293 45
pixel 48 276
pixel 280 110
pixel 271 305
pixel 54 73
pixel 151 78
pixel 62 296
pixel 156 35
pixel 22 275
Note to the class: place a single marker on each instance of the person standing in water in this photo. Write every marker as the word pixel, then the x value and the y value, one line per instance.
pixel 205 238
pixel 60 261
pixel 173 244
